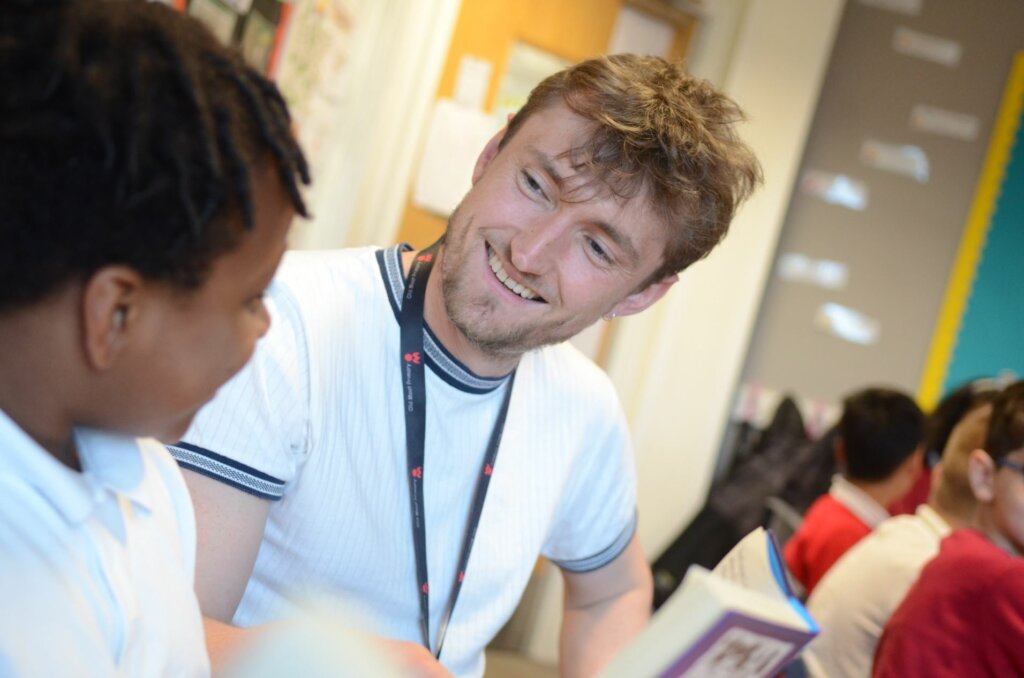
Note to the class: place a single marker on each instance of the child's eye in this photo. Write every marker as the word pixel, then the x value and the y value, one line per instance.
pixel 255 304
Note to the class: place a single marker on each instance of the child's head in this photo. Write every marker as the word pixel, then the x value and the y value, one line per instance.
pixel 880 431
pixel 997 472
pixel 147 179
pixel 951 492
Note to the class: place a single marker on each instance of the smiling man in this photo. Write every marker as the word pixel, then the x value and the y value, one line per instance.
pixel 414 432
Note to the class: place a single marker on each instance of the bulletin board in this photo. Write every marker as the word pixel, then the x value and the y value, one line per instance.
pixel 981 328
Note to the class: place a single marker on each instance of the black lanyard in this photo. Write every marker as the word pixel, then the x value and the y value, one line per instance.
pixel 414 386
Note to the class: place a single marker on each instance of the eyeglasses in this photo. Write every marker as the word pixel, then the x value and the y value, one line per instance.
pixel 1012 465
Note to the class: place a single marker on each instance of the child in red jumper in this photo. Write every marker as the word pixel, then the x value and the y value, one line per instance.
pixel 879 449
pixel 965 614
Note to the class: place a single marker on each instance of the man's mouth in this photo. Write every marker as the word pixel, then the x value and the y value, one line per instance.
pixel 506 280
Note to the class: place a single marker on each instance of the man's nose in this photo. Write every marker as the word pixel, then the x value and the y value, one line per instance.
pixel 533 247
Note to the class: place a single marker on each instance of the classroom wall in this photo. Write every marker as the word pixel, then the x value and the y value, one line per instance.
pixel 899 250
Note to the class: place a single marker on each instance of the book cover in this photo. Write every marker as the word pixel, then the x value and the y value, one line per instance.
pixel 740 620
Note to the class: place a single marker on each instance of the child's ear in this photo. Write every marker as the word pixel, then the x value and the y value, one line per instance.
pixel 839 452
pixel 913 464
pixel 110 310
pixel 981 474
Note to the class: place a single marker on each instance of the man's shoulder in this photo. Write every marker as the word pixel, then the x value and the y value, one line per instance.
pixel 315 274
pixel 564 371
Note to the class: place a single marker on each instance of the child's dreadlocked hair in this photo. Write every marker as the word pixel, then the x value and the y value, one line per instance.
pixel 128 135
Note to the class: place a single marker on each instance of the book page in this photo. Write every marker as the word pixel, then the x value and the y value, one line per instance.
pixel 749 564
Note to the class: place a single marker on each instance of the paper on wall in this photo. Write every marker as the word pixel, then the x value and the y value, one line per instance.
pixel 909 161
pixel 825 273
pixel 928 47
pixel 835 189
pixel 472 81
pixel 638 32
pixel 910 7
pixel 240 6
pixel 527 66
pixel 944 123
pixel 455 138
pixel 847 324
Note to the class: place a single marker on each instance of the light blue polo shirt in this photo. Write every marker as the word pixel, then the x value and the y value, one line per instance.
pixel 96 567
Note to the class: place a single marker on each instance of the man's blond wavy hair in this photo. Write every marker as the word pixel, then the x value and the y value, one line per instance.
pixel 660 132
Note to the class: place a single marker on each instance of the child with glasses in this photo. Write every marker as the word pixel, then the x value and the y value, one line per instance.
pixel 965 614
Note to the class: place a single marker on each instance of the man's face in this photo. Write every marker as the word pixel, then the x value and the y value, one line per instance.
pixel 533 255
pixel 1008 502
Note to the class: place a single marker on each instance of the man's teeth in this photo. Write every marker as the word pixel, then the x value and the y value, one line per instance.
pixel 499 272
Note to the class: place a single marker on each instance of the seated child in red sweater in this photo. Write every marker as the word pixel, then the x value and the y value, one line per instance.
pixel 879 449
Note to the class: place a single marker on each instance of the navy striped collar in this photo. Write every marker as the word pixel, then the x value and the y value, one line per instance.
pixel 443 363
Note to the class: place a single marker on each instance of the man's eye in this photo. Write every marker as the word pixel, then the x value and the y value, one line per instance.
pixel 532 184
pixel 598 250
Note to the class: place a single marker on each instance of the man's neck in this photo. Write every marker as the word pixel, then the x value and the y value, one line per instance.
pixel 435 315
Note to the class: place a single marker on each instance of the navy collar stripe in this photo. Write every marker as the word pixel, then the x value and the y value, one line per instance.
pixel 439 360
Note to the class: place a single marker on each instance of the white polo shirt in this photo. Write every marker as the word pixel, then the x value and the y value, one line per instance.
pixel 856 597
pixel 315 423
pixel 97 567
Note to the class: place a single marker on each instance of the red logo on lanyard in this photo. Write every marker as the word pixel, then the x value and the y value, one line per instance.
pixel 425 258
pixel 425 588
pixel 413 358
pixel 417 472
pixel 462 576
pixel 488 470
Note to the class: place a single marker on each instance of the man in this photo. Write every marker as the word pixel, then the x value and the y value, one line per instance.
pixel 366 421
pixel 879 449
pixel 855 599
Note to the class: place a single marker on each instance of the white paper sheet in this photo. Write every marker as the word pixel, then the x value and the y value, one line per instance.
pixel 638 32
pixel 928 47
pixel 944 123
pixel 455 138
pixel 848 324
pixel 472 81
pixel 909 7
pixel 904 159
pixel 835 189
pixel 826 273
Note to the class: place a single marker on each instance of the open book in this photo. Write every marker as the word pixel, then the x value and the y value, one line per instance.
pixel 740 620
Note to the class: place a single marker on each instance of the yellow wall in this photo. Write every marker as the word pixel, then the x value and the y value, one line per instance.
pixel 572 29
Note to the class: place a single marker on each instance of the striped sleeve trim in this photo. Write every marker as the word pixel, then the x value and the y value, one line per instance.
pixel 227 471
pixel 603 557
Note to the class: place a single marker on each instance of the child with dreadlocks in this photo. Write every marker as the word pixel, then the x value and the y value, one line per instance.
pixel 147 181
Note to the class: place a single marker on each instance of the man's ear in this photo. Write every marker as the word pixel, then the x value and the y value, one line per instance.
pixel 981 474
pixel 488 154
pixel 110 311
pixel 638 301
